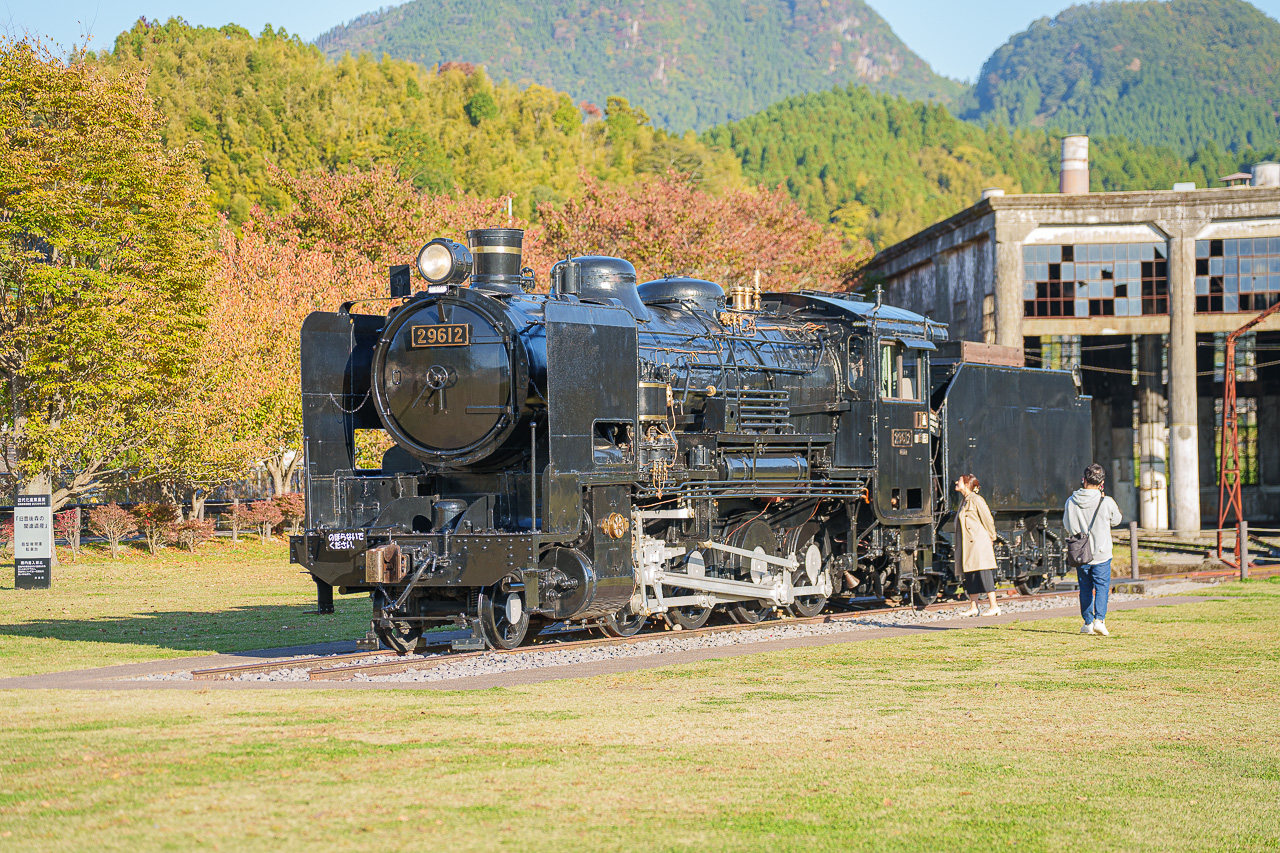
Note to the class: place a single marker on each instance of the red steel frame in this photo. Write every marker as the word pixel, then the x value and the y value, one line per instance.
pixel 1229 496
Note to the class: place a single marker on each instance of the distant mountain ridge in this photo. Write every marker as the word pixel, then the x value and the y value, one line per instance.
pixel 687 63
pixel 1185 73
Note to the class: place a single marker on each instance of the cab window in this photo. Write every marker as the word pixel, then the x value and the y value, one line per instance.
pixel 857 367
pixel 899 372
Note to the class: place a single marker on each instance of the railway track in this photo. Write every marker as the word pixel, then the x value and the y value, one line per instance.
pixel 348 666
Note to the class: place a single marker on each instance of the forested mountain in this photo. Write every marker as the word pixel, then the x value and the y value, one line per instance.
pixel 879 166
pixel 688 63
pixel 884 167
pixel 1180 73
pixel 273 101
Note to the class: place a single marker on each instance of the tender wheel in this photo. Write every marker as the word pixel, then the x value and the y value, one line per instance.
pixel 624 623
pixel 401 638
pixel 504 621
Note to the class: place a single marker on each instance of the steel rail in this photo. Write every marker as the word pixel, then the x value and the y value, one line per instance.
pixel 343 673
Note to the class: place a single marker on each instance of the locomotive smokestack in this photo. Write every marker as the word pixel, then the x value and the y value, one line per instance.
pixel 498 258
pixel 1075 165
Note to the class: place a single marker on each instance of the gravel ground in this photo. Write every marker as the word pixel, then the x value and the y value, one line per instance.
pixel 674 642
pixel 1179 588
pixel 667 642
pixel 274 675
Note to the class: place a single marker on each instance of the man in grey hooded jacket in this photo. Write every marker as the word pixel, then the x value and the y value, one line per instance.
pixel 1089 510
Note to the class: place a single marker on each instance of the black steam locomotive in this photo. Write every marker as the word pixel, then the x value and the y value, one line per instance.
pixel 610 453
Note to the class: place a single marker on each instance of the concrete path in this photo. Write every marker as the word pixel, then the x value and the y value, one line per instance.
pixel 117 677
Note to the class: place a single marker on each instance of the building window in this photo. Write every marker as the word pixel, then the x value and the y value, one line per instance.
pixel 1246 357
pixel 1095 280
pixel 1059 352
pixel 1247 439
pixel 1237 275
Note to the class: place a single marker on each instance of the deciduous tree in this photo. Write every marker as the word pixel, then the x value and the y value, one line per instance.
pixel 666 225
pixel 158 522
pixel 104 250
pixel 113 523
pixel 333 246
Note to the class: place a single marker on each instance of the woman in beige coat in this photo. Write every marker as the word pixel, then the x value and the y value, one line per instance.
pixel 975 546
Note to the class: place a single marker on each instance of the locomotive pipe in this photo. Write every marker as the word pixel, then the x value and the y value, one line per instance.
pixel 533 478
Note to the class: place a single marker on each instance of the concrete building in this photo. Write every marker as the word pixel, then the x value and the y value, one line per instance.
pixel 1137 289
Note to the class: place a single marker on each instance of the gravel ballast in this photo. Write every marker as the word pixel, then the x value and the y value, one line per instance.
pixel 660 644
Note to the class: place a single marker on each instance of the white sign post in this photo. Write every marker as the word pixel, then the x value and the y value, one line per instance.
pixel 33 542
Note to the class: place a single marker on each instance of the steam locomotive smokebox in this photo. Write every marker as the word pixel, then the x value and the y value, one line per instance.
pixel 498 257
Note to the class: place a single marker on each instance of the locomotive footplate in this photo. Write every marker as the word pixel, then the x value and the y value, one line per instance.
pixel 464 560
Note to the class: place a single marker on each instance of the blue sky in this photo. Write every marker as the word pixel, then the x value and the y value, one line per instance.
pixel 953 37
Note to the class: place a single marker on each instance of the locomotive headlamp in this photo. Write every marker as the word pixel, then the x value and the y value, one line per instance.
pixel 443 262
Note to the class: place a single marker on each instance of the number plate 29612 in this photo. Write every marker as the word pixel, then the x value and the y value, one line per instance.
pixel 440 335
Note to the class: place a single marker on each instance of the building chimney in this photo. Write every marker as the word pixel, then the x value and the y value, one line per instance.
pixel 1075 165
pixel 990 192
pixel 1266 175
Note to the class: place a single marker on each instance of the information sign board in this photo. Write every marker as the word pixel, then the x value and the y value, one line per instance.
pixel 32 542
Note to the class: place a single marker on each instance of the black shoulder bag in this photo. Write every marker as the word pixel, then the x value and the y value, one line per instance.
pixel 1078 551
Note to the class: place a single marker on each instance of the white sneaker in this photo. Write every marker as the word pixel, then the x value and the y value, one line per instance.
pixel 1088 628
pixel 1100 627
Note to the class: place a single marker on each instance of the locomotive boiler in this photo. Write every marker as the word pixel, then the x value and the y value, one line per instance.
pixel 610 453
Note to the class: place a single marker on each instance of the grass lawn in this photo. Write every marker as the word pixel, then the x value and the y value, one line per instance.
pixel 1029 736
pixel 225 597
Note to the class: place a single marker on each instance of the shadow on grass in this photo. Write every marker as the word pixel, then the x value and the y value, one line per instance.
pixel 230 631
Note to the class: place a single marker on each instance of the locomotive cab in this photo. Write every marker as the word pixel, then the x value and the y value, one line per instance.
pixel 903 492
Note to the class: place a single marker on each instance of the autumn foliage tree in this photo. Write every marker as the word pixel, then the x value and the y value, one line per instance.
pixel 667 225
pixel 293 509
pixel 192 533
pixel 334 245
pixel 113 523
pixel 103 253
pixel 264 515
pixel 157 522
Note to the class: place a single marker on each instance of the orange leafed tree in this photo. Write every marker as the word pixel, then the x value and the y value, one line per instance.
pixel 334 245
pixel 666 225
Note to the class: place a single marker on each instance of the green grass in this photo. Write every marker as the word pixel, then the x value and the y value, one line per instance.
pixel 225 597
pixel 1029 736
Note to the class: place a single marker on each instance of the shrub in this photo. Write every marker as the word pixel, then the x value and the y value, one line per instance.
pixel 241 517
pixel 293 508
pixel 157 522
pixel 194 533
pixel 264 515
pixel 6 537
pixel 66 526
pixel 112 522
